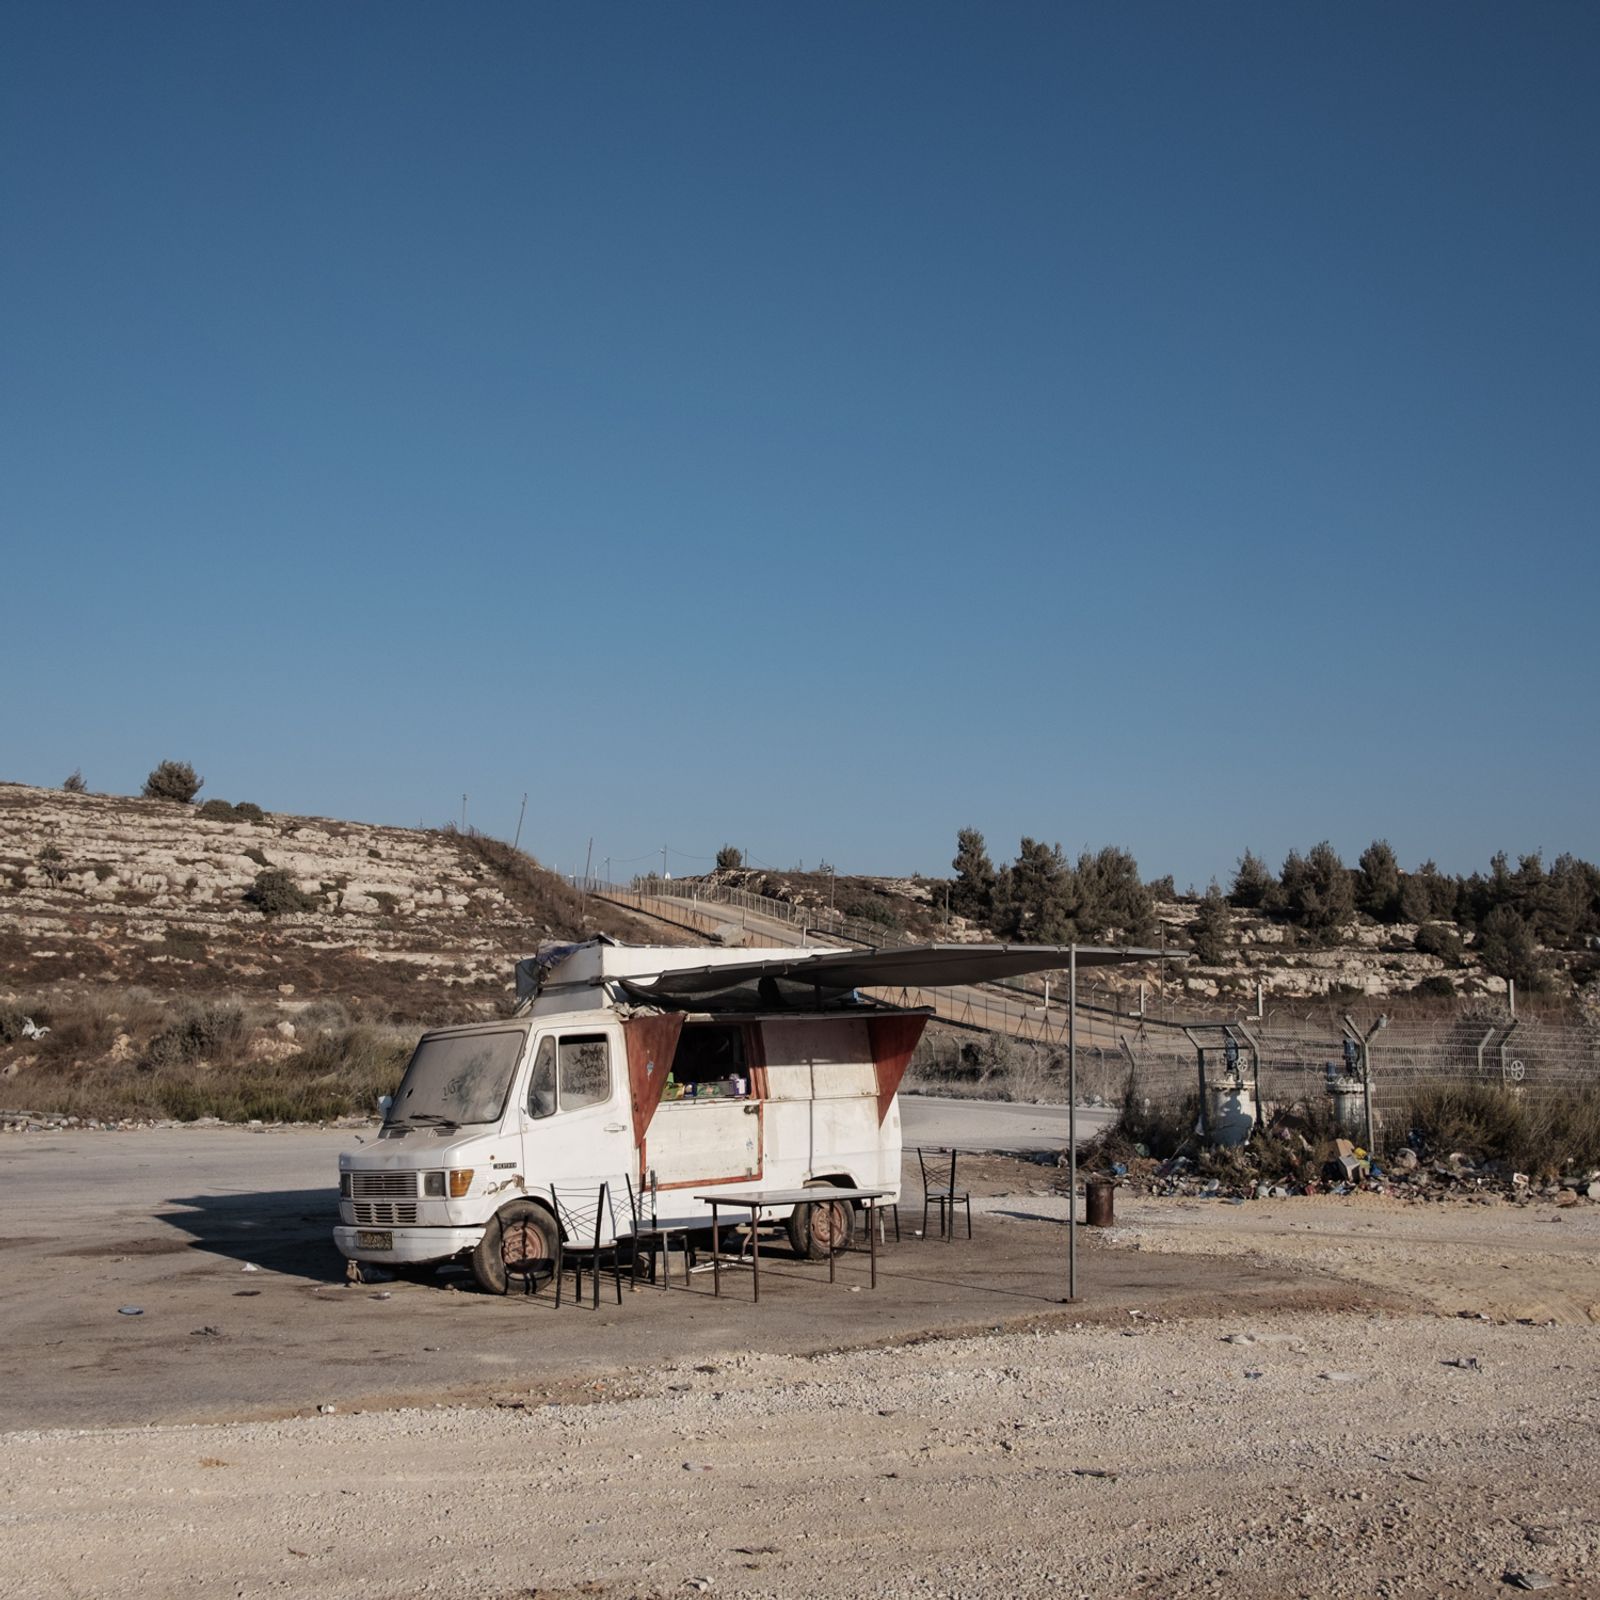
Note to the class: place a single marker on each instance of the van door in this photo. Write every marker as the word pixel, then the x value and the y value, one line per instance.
pixel 577 1130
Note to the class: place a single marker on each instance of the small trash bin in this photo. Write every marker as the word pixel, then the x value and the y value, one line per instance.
pixel 1099 1196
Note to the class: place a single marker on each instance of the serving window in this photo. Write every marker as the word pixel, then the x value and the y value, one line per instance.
pixel 713 1060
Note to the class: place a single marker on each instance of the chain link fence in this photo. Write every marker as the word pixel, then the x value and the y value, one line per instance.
pixel 1537 1057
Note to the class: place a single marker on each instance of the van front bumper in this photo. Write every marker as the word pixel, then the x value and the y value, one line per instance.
pixel 407 1246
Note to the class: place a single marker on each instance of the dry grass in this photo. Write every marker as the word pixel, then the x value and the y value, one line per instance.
pixel 132 1054
pixel 1544 1137
pixel 555 908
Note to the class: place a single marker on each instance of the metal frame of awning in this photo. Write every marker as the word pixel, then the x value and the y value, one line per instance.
pixel 933 966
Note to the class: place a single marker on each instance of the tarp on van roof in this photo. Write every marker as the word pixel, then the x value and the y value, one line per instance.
pixel 923 966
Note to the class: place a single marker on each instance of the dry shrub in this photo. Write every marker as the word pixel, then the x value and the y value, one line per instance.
pixel 212 1033
pixel 189 1059
pixel 1492 1124
pixel 1162 1126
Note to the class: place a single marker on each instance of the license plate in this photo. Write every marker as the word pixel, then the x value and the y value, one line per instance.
pixel 369 1239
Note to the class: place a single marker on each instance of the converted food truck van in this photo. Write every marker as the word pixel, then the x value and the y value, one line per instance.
pixel 658 1072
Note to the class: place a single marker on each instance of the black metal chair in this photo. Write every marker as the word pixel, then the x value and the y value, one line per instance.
pixel 944 1195
pixel 586 1231
pixel 650 1237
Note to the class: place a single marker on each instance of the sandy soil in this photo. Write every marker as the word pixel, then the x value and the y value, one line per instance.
pixel 1253 1453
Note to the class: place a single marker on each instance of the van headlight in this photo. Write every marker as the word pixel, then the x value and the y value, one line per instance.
pixel 433 1184
pixel 344 1185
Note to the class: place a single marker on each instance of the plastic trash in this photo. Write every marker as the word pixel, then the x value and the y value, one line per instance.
pixel 130 1311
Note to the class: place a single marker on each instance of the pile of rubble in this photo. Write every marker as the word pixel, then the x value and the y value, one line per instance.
pixel 1285 1161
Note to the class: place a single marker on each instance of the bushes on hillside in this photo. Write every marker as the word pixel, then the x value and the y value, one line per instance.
pixel 275 894
pixel 1434 939
pixel 173 780
pixel 224 811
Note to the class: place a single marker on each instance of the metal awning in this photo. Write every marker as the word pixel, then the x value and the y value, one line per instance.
pixel 923 966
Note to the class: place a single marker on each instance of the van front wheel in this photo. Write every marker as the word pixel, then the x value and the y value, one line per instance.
pixel 518 1245
pixel 814 1228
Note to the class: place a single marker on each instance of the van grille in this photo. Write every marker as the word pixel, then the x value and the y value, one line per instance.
pixel 376 1213
pixel 383 1185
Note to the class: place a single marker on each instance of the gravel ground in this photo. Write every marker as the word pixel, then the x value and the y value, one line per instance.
pixel 1409 1453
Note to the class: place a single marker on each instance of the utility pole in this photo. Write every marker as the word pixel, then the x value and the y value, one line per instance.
pixel 520 815
pixel 463 813
pixel 608 869
pixel 663 863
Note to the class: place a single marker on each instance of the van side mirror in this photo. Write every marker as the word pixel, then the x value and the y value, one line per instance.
pixel 385 1104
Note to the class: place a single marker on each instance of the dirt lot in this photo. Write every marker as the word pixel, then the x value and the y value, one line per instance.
pixel 1249 1401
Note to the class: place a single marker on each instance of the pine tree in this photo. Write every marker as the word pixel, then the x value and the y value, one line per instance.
pixel 972 894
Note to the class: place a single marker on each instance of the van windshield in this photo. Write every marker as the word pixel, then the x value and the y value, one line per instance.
pixel 457 1080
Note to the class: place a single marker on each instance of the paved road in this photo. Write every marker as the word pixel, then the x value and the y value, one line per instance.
pixel 77 1183
pixel 994 1124
pixel 221 1239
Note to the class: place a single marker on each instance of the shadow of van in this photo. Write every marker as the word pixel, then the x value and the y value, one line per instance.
pixel 288 1231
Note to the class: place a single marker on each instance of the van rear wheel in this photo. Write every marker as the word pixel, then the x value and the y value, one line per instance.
pixel 519 1245
pixel 816 1227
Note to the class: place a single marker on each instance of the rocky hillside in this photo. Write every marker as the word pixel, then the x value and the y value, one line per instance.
pixel 1366 958
pixel 398 922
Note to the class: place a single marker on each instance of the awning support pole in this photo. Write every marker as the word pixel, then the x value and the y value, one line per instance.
pixel 1072 1123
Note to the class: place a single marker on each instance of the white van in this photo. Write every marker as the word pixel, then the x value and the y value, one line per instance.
pixel 658 1072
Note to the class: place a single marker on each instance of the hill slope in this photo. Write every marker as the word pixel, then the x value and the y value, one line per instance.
pixel 103 888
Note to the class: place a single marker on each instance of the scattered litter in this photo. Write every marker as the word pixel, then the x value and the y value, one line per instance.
pixel 1254 1372
pixel 697 1466
pixel 130 1311
pixel 756 1550
pixel 1417 1477
pixel 430 1349
pixel 1239 1338
pixel 245 1294
pixel 249 1266
pixel 207 1332
pixel 697 1583
pixel 1530 1580
pixel 383 1294
pixel 1340 1377
pixel 327 1411
pixel 1094 1472
pixel 1466 1363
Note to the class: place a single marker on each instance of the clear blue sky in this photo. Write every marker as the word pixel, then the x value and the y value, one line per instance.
pixel 813 427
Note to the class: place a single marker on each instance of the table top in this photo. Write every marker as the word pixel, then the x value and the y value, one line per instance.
pixel 787 1197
